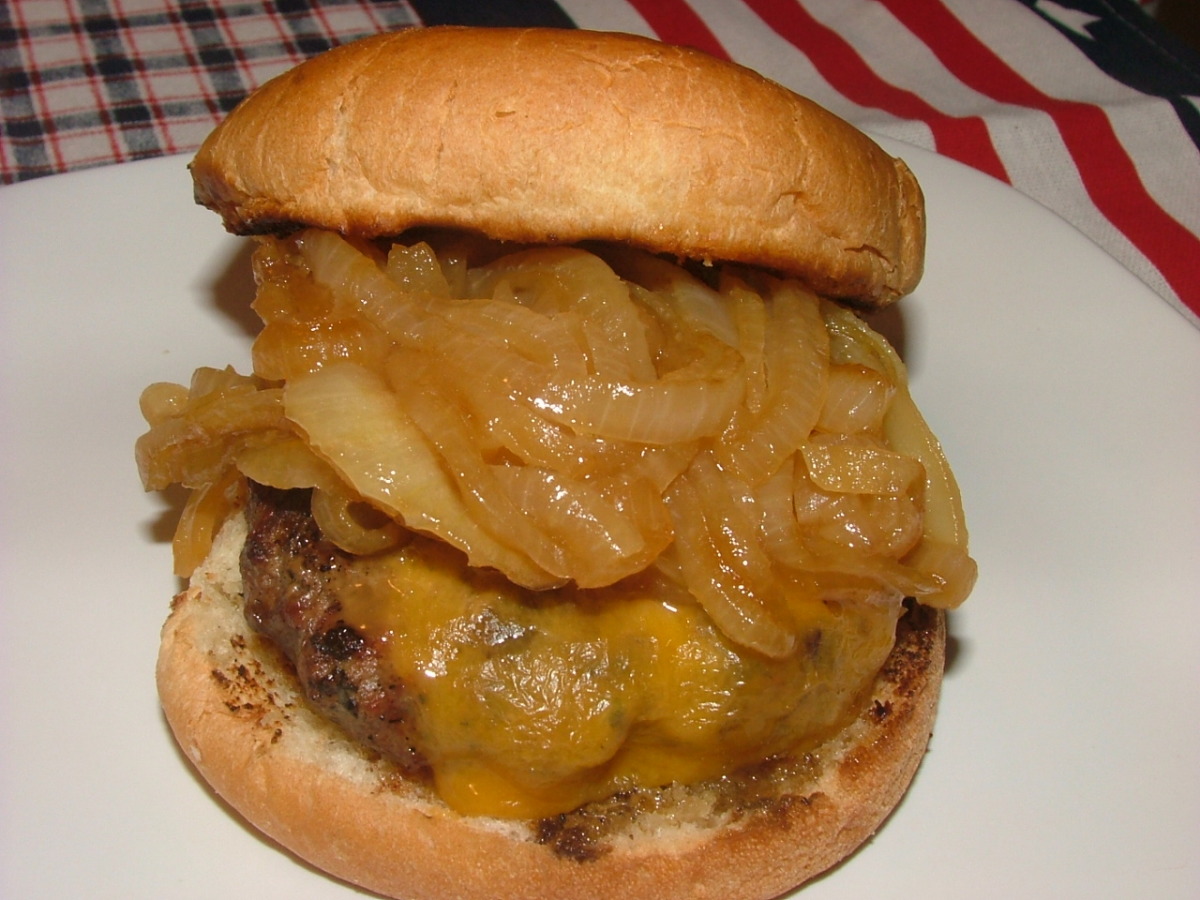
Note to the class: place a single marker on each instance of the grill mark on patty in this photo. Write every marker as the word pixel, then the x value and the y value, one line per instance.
pixel 292 578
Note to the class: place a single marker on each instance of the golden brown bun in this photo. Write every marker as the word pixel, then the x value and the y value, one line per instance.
pixel 236 713
pixel 551 136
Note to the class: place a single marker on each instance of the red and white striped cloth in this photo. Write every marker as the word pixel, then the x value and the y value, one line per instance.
pixel 1000 86
pixel 1085 105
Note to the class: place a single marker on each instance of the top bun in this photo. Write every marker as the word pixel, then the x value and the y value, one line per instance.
pixel 547 136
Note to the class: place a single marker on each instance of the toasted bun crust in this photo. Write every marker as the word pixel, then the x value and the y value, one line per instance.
pixel 552 136
pixel 236 712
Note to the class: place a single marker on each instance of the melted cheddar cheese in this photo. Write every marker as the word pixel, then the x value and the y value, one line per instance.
pixel 535 702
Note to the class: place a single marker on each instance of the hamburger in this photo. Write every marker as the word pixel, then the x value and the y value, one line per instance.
pixel 573 534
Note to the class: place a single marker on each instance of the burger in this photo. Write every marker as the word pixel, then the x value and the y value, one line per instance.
pixel 573 535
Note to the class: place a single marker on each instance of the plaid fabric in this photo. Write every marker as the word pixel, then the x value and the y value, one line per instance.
pixel 90 82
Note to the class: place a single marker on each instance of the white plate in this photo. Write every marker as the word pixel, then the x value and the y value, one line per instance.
pixel 1065 761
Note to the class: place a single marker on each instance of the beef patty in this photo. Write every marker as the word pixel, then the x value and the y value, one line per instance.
pixel 292 580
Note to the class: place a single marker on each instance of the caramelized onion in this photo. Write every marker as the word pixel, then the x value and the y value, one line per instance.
pixel 714 554
pixel 683 406
pixel 352 419
pixel 416 270
pixel 285 464
pixel 553 342
pixel 856 400
pixel 796 363
pixel 601 540
pixel 353 524
pixel 193 444
pixel 569 281
pixel 448 430
pixel 671 291
pixel 907 433
pixel 563 415
pixel 206 508
pixel 949 566
pixel 353 275
pixel 846 467
pixel 887 525
pixel 286 349
pixel 162 401
pixel 752 321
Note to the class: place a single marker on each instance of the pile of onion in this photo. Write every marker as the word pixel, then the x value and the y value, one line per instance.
pixel 575 415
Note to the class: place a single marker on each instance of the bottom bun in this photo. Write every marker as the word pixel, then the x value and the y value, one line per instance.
pixel 238 714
